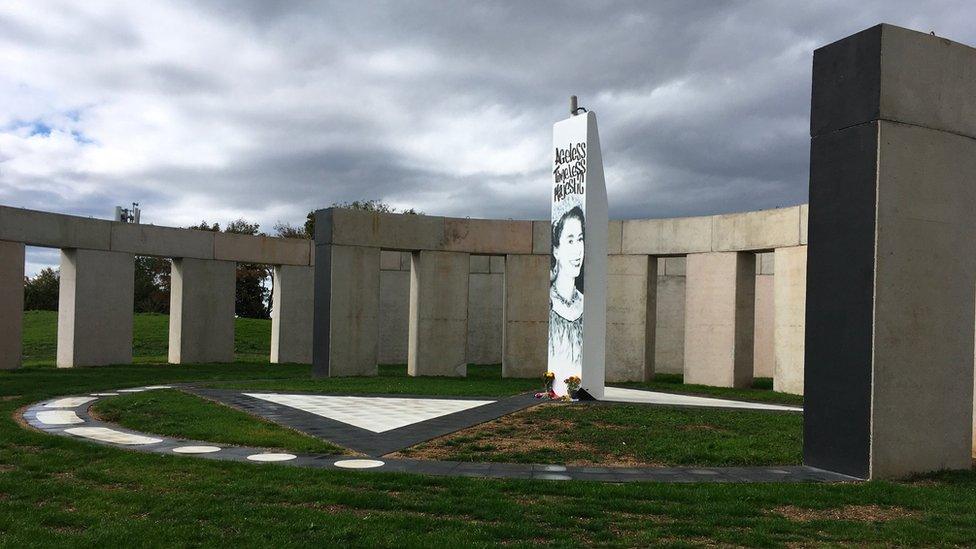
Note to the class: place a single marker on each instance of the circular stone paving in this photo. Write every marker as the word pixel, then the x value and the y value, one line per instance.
pixel 359 463
pixel 271 457
pixel 196 449
pixel 68 417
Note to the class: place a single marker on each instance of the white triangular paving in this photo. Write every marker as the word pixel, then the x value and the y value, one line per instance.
pixel 376 414
pixel 619 394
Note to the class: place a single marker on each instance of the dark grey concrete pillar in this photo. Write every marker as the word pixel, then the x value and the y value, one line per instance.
pixel 346 317
pixel 891 271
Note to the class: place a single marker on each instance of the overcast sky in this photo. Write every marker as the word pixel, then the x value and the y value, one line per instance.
pixel 266 110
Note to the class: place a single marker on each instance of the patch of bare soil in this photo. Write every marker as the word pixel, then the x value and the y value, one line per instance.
pixel 7 398
pixel 520 432
pixel 856 513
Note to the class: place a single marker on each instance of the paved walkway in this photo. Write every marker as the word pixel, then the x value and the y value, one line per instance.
pixel 68 416
pixel 619 394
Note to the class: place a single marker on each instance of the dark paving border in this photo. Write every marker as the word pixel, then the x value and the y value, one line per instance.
pixel 791 474
pixel 364 440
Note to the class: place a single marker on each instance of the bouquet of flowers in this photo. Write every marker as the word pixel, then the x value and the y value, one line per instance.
pixel 573 384
pixel 549 378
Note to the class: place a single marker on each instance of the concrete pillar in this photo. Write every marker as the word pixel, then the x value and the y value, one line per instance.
pixel 394 319
pixel 631 314
pixel 526 336
pixel 669 347
pixel 201 311
pixel 95 303
pixel 438 314
pixel 11 304
pixel 347 304
pixel 891 276
pixel 790 292
pixel 486 289
pixel 763 347
pixel 720 304
pixel 291 314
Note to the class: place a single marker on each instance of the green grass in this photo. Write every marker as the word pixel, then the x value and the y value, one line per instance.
pixel 482 380
pixel 150 337
pixel 761 390
pixel 626 435
pixel 56 491
pixel 177 414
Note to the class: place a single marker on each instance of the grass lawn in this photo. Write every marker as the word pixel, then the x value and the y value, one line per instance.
pixel 150 337
pixel 175 413
pixel 761 390
pixel 56 491
pixel 625 435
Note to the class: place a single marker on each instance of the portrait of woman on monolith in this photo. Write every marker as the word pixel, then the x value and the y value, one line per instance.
pixel 566 289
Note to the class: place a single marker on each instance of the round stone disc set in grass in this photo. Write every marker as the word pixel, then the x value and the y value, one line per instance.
pixel 433 417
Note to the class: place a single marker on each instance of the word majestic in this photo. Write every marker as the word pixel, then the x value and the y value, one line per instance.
pixel 569 170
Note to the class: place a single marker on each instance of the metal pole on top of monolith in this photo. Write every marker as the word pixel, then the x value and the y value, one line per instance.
pixel 578 265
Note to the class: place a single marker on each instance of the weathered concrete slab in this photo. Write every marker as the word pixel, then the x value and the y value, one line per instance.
pixel 631 306
pixel 669 346
pixel 394 319
pixel 95 304
pixel 11 304
pixel 53 230
pixel 526 316
pixel 162 241
pixel 765 263
pixel 719 319
pixel 291 314
pixel 673 266
pixel 763 344
pixel 389 260
pixel 497 264
pixel 790 288
pixel 378 230
pixel 486 300
pixel 480 264
pixel 438 330
pixel 346 317
pixel 542 237
pixel 759 230
pixel 678 235
pixel 615 237
pixel 487 236
pixel 261 249
pixel 804 216
pixel 201 305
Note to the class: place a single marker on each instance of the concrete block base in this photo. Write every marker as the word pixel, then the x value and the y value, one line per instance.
pixel 11 304
pixel 95 304
pixel 438 330
pixel 526 336
pixel 291 314
pixel 720 302
pixel 201 318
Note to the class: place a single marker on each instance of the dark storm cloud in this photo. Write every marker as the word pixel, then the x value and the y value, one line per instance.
pixel 265 110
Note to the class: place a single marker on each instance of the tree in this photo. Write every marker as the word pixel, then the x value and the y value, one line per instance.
pixel 252 298
pixel 152 284
pixel 41 292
